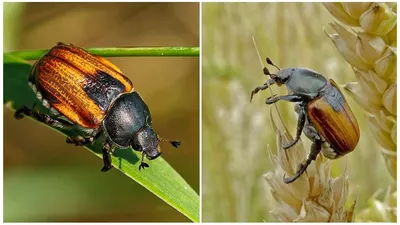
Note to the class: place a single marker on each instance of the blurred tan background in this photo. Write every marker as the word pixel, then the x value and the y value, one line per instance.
pixel 46 179
pixel 236 133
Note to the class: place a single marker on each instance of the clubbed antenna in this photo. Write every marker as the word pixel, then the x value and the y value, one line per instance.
pixel 266 71
pixel 174 143
pixel 272 64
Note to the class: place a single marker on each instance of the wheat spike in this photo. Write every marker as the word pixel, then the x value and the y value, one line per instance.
pixel 371 51
pixel 315 196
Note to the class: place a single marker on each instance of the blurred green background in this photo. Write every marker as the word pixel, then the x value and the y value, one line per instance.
pixel 236 133
pixel 46 179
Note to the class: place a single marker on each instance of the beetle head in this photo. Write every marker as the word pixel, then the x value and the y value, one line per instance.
pixel 281 76
pixel 148 142
pixel 284 75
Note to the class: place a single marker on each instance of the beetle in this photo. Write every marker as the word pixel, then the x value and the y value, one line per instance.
pixel 324 115
pixel 91 94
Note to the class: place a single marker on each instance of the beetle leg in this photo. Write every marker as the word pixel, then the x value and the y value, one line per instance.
pixel 290 98
pixel 55 122
pixel 44 118
pixel 142 163
pixel 79 140
pixel 107 147
pixel 310 132
pixel 261 88
pixel 315 149
pixel 300 125
pixel 297 107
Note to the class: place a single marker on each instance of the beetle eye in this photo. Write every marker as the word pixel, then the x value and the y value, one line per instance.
pixel 284 79
pixel 277 78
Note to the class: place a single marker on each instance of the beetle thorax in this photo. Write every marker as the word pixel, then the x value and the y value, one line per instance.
pixel 303 82
pixel 127 115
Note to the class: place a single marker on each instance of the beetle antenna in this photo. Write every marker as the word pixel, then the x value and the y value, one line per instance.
pixel 174 143
pixel 271 63
pixel 266 71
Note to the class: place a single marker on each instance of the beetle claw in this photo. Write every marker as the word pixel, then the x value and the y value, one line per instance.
pixel 271 99
pixel 251 96
pixel 289 145
pixel 143 165
pixel 18 115
pixel 302 169
pixel 255 91
pixel 288 180
pixel 106 168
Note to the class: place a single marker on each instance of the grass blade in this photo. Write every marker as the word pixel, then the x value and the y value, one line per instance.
pixel 119 52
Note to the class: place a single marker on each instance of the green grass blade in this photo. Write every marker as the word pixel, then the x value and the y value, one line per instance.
pixel 161 179
pixel 119 52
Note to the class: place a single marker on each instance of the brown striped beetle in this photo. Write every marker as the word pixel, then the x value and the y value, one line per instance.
pixel 89 92
pixel 324 115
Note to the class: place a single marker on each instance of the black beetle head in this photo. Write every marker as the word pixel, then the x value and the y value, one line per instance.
pixel 147 141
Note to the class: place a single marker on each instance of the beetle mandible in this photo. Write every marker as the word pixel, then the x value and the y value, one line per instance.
pixel 324 115
pixel 91 94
